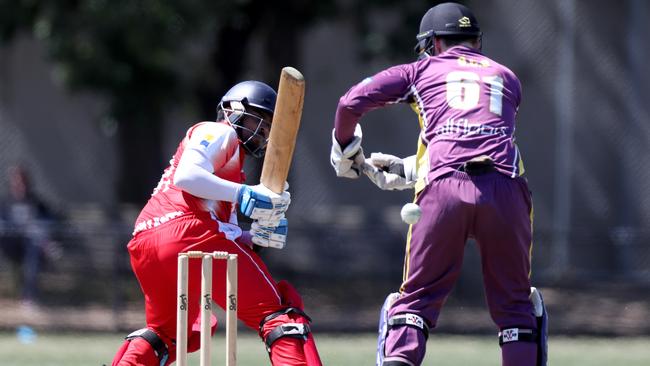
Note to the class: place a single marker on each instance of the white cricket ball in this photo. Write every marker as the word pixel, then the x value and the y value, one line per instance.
pixel 410 213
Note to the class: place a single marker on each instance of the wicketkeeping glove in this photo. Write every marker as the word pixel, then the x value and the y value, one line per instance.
pixel 270 236
pixel 347 162
pixel 389 172
pixel 262 204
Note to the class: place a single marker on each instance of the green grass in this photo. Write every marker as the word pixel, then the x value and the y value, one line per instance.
pixel 97 349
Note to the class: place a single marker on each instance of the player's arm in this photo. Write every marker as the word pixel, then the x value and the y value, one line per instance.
pixel 208 148
pixel 387 87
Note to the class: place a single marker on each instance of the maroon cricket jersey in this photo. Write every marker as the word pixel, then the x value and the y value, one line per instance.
pixel 466 105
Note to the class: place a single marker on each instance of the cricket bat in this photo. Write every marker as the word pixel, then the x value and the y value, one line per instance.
pixel 284 129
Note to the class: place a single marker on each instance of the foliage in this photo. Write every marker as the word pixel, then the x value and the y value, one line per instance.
pixel 144 56
pixel 123 49
pixel 140 55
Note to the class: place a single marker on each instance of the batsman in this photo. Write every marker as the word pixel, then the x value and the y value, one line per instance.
pixel 195 207
pixel 467 176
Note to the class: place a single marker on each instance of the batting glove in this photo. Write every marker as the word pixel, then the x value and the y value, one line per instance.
pixel 270 236
pixel 389 172
pixel 262 204
pixel 347 162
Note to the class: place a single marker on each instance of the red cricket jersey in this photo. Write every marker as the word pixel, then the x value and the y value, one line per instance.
pixel 168 202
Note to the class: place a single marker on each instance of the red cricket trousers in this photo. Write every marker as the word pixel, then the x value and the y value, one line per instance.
pixel 154 259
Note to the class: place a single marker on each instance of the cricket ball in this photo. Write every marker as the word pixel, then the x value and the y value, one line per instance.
pixel 410 213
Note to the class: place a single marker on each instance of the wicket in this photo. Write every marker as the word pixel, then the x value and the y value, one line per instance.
pixel 206 306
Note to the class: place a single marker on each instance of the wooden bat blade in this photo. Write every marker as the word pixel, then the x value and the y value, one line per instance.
pixel 284 129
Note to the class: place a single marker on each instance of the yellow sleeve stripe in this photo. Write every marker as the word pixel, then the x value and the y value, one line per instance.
pixel 421 155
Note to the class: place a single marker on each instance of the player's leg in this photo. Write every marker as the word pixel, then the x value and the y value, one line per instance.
pixel 286 332
pixel 276 310
pixel 541 316
pixel 540 337
pixel 148 346
pixel 433 260
pixel 32 266
pixel 154 259
pixel 504 234
pixel 142 347
pixel 259 296
pixel 383 327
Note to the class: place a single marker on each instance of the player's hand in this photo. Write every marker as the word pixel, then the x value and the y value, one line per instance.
pixel 270 236
pixel 262 204
pixel 389 172
pixel 347 162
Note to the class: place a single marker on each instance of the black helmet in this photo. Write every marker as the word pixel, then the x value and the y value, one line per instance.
pixel 446 19
pixel 244 99
pixel 252 93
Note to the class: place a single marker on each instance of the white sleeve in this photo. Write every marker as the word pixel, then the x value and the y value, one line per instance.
pixel 194 171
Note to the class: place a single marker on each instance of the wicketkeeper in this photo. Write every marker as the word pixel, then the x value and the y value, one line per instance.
pixel 467 176
pixel 194 207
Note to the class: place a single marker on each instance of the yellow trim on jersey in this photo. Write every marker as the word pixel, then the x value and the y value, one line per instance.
pixel 520 163
pixel 407 254
pixel 421 166
pixel 421 155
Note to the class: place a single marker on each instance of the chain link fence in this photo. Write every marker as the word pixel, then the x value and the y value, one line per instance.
pixel 582 128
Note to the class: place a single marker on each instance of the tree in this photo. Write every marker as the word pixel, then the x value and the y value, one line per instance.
pixel 123 50
pixel 137 54
pixel 131 52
